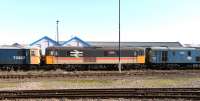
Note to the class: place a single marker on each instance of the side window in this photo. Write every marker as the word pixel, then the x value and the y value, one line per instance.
pixel 189 53
pixel 174 53
pixel 68 53
pixel 20 52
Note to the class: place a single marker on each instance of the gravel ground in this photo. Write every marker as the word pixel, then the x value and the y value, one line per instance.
pixel 149 72
pixel 155 79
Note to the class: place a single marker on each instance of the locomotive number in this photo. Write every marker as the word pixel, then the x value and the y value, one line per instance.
pixel 18 57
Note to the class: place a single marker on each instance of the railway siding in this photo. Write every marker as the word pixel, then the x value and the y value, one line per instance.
pixel 189 93
pixel 100 79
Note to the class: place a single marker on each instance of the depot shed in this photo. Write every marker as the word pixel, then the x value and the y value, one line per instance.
pixel 43 43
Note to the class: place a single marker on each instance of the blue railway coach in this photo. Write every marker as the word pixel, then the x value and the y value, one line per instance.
pixel 172 55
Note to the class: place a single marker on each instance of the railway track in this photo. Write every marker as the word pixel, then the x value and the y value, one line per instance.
pixel 88 74
pixel 189 93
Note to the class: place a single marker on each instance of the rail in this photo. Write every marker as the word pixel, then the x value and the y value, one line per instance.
pixel 189 93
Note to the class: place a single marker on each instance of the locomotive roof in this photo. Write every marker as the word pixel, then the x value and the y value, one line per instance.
pixel 86 48
pixel 135 44
pixel 12 48
pixel 172 48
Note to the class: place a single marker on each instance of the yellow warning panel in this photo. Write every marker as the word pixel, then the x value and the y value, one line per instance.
pixel 35 60
pixel 49 59
pixel 141 59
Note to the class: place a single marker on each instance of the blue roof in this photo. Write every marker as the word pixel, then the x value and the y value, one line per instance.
pixel 47 38
pixel 76 38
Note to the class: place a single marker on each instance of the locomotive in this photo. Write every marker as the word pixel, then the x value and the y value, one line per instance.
pixel 84 58
pixel 171 57
pixel 93 57
pixel 15 58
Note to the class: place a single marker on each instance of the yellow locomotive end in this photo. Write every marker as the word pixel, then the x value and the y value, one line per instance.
pixel 140 56
pixel 141 59
pixel 35 56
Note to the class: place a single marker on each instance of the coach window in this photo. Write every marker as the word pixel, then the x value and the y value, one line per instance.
pixel 189 53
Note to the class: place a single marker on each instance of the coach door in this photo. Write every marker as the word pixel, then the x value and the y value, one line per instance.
pixel 164 56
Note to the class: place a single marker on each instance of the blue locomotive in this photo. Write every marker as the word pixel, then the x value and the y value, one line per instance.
pixel 14 57
pixel 172 56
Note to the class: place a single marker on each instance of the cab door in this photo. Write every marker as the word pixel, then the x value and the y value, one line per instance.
pixel 35 56
pixel 164 56
pixel 50 57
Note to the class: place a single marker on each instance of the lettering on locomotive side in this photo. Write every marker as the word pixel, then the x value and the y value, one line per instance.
pixel 18 57
pixel 189 58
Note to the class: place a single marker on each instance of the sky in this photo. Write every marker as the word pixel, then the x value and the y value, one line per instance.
pixel 25 21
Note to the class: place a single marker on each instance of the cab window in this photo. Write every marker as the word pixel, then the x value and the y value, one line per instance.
pixel 135 53
pixel 51 53
pixel 140 53
pixel 33 53
pixel 54 53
